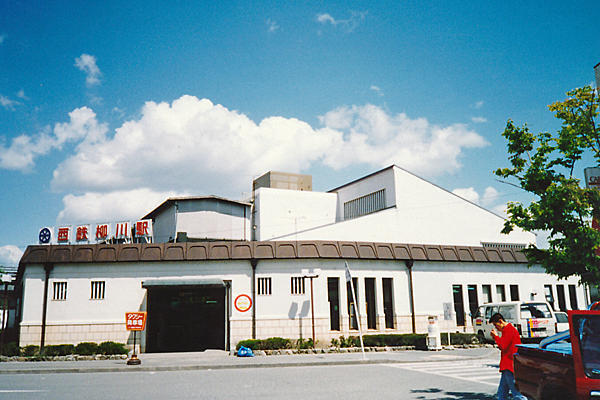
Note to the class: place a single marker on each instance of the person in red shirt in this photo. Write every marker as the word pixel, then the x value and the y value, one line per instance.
pixel 507 342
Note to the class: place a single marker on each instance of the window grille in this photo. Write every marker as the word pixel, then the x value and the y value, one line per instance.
pixel 97 290
pixel 264 286
pixel 365 205
pixel 298 286
pixel 60 291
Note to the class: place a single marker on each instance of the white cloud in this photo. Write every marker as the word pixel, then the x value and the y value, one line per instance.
pixel 377 90
pixel 490 195
pixel 10 255
pixel 21 95
pixel 468 194
pixel 111 206
pixel 368 134
pixel 8 103
pixel 478 104
pixel 349 24
pixel 193 145
pixel 272 26
pixel 23 150
pixel 87 64
pixel 479 120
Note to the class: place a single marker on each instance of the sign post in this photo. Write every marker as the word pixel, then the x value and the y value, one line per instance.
pixel 448 317
pixel 349 279
pixel 135 321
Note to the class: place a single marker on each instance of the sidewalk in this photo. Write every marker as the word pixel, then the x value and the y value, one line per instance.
pixel 217 359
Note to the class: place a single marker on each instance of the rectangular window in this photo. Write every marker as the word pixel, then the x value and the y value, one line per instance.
pixel 473 300
pixel 562 301
pixel 487 293
pixel 60 291
pixel 388 302
pixel 514 293
pixel 548 295
pixel 333 296
pixel 97 290
pixel 264 286
pixel 371 304
pixel 350 300
pixel 297 285
pixel 500 293
pixel 573 297
pixel 459 306
pixel 365 205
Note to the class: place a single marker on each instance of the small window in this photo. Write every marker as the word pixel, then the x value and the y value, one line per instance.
pixel 264 286
pixel 297 284
pixel 487 293
pixel 514 293
pixel 97 290
pixel 500 293
pixel 60 291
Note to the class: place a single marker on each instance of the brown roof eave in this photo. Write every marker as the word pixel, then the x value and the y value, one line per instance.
pixel 246 250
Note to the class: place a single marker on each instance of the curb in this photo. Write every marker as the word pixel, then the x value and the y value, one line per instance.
pixel 206 367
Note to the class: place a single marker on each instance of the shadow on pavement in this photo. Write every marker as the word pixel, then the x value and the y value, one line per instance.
pixel 444 395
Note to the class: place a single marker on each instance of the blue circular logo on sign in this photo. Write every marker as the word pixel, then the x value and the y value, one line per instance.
pixel 45 236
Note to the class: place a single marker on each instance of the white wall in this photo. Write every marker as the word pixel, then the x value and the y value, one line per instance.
pixel 424 214
pixel 213 225
pixel 280 212
pixel 382 180
pixel 163 227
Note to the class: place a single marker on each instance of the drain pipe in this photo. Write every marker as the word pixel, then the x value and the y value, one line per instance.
pixel 47 268
pixel 409 265
pixel 253 263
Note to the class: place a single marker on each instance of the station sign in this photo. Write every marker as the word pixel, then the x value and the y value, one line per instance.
pixel 96 233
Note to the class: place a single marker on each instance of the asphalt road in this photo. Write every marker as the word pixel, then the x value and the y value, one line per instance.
pixel 469 379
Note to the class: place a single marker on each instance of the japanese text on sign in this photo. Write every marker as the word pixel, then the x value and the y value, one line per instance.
pixel 135 321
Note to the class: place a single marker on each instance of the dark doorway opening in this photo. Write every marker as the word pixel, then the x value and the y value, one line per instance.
pixel 186 318
pixel 388 302
pixel 371 305
pixel 459 306
pixel 333 295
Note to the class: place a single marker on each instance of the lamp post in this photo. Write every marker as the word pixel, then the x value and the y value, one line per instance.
pixel 311 276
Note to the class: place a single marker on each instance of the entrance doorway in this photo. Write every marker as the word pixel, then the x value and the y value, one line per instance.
pixel 186 318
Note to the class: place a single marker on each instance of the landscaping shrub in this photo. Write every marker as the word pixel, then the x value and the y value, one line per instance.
pixel 274 343
pixel 304 344
pixel 59 350
pixel 30 350
pixel 418 340
pixel 86 348
pixel 10 349
pixel 459 338
pixel 110 348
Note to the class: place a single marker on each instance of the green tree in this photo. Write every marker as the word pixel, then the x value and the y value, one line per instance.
pixel 544 164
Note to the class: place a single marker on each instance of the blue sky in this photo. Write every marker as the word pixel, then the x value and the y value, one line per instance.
pixel 108 108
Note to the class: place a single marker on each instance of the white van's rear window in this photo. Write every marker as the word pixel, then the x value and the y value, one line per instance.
pixel 535 310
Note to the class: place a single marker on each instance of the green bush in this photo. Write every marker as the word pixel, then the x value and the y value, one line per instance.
pixel 59 350
pixel 30 350
pixel 418 340
pixel 304 344
pixel 274 343
pixel 10 349
pixel 86 348
pixel 459 338
pixel 109 348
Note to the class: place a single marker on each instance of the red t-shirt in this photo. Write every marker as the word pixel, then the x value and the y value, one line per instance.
pixel 508 347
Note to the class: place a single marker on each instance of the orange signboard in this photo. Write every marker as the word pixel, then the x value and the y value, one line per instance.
pixel 135 321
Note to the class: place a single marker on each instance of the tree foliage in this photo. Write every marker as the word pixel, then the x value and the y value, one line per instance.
pixel 544 165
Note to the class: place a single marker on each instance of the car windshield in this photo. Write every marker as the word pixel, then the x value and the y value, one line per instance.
pixel 588 330
pixel 535 310
pixel 561 317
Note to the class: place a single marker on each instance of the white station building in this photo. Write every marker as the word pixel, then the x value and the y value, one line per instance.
pixel 218 271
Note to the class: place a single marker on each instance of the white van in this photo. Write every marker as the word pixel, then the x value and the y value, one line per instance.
pixel 533 319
